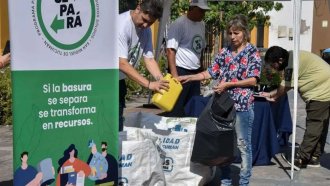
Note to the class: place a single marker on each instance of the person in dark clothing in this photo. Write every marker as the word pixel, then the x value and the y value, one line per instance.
pixel 326 55
pixel 112 173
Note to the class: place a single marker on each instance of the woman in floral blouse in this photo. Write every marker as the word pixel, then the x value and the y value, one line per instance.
pixel 237 69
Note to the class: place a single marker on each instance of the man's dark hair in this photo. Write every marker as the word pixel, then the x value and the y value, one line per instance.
pixel 153 8
pixel 24 153
pixel 104 143
pixel 273 55
pixel 326 57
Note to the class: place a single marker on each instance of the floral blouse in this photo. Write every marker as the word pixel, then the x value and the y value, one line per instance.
pixel 227 68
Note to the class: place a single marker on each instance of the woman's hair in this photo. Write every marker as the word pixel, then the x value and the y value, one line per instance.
pixel 153 8
pixel 66 155
pixel 239 22
pixel 273 55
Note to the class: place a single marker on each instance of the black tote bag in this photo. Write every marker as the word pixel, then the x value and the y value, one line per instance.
pixel 215 140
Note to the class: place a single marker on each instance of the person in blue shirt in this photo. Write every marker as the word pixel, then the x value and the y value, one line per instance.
pixel 26 174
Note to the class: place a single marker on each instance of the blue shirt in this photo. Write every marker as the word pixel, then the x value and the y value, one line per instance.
pixel 23 177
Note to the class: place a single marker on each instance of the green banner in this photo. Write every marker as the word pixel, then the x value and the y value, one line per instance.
pixel 65 92
pixel 67 107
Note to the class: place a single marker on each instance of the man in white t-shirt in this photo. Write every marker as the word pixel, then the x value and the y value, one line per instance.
pixel 134 41
pixel 185 43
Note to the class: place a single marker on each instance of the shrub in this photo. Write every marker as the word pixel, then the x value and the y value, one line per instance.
pixel 5 97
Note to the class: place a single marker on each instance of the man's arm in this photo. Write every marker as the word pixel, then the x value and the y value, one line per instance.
pixel 275 94
pixel 130 71
pixel 170 53
pixel 280 91
pixel 153 68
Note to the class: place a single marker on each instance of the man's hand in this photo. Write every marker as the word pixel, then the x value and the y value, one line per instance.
pixel 159 85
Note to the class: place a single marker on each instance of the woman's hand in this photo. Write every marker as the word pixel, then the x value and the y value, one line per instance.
pixel 185 78
pixel 221 87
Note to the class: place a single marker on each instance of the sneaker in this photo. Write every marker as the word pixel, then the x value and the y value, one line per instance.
pixel 314 162
pixel 298 162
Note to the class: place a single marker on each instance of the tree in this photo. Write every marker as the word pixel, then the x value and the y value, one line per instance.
pixel 222 11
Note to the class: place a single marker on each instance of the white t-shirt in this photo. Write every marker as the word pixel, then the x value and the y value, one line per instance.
pixel 133 41
pixel 188 39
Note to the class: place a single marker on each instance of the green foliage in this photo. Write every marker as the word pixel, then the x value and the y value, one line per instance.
pixel 178 8
pixel 222 11
pixel 125 5
pixel 270 77
pixel 5 98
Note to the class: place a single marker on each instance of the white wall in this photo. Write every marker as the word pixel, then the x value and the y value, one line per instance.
pixel 285 18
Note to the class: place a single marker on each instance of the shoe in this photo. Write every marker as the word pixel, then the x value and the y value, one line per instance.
pixel 298 162
pixel 314 162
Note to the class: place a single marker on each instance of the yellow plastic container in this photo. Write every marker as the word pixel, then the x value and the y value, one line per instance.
pixel 167 100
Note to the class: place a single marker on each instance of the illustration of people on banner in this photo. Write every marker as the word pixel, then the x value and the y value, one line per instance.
pixel 100 167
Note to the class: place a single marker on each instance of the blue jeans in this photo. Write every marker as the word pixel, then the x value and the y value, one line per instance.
pixel 243 128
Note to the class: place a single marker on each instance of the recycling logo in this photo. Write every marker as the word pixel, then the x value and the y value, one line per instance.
pixel 197 44
pixel 168 164
pixel 67 27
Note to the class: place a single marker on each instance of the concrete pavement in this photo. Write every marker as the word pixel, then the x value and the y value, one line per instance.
pixel 6 155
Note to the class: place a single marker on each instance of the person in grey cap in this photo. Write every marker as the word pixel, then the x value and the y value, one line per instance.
pixel 185 43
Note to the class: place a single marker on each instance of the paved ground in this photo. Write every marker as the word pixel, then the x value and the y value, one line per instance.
pixel 6 155
pixel 277 174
